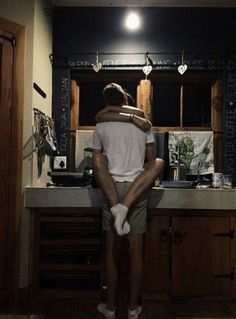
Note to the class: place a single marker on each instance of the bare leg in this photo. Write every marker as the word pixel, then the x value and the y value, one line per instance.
pixel 107 185
pixel 135 269
pixel 104 179
pixel 120 208
pixel 113 245
pixel 146 179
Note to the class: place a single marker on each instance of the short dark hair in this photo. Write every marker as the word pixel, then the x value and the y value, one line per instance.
pixel 114 94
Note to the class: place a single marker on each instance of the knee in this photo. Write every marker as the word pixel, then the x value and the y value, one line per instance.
pixel 159 165
pixel 99 162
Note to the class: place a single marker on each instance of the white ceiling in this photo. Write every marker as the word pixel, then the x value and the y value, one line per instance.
pixel 145 3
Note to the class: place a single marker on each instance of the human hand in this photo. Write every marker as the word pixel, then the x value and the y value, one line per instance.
pixel 142 123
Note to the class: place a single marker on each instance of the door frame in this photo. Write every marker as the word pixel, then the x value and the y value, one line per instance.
pixel 16 199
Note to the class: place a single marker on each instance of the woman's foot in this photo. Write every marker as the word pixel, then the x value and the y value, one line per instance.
pixel 119 213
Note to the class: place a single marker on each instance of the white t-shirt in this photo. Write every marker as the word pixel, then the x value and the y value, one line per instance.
pixel 124 146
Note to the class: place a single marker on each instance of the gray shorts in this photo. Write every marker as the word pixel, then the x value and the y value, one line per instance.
pixel 137 215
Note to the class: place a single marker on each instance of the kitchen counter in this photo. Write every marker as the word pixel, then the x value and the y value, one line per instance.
pixel 162 198
pixel 195 227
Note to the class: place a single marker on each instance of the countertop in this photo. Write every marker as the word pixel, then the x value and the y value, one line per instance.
pixel 163 198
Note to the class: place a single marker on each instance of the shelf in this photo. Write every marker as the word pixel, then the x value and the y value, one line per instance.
pixel 86 267
pixel 67 253
pixel 68 219
pixel 59 242
pixel 46 293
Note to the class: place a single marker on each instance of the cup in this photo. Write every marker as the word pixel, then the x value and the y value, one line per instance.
pixel 227 181
pixel 217 180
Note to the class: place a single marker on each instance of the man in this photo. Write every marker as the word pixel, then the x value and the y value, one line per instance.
pixel 119 151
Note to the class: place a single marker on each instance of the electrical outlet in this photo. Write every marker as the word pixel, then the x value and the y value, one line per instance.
pixel 60 162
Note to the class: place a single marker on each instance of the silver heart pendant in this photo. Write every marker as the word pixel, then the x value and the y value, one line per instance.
pixel 97 67
pixel 182 68
pixel 147 69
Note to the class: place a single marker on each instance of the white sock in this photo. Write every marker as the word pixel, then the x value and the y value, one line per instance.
pixel 126 228
pixel 108 314
pixel 119 213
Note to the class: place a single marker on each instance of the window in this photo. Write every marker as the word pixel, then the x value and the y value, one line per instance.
pixel 174 102
pixel 166 103
pixel 179 102
pixel 90 86
pixel 184 102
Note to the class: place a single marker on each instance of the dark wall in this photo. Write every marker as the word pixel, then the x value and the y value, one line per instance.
pixel 79 30
pixel 168 31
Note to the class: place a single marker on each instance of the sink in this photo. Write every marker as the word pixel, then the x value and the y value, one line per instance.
pixel 177 184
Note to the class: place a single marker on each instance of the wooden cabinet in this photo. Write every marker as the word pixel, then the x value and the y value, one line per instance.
pixel 189 254
pixel 156 256
pixel 186 253
pixel 201 256
pixel 66 256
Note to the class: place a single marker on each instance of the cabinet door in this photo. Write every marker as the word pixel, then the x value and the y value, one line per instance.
pixel 156 255
pixel 201 256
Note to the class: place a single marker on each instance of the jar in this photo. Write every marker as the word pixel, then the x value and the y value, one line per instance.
pixel 217 180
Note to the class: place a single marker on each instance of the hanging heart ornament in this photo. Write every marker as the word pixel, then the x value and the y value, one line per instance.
pixel 182 68
pixel 147 69
pixel 97 67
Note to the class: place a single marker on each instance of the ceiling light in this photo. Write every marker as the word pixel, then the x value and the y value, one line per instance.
pixel 132 21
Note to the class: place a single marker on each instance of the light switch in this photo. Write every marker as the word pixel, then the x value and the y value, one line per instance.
pixel 60 162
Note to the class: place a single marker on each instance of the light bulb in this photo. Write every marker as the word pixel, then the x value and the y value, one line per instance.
pixel 132 21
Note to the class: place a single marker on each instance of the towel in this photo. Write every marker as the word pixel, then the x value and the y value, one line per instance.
pixel 192 149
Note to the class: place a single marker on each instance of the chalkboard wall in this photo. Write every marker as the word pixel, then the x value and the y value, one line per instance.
pixel 207 36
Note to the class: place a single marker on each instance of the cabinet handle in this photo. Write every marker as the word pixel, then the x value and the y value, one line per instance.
pixel 177 237
pixel 225 275
pixel 164 235
pixel 230 234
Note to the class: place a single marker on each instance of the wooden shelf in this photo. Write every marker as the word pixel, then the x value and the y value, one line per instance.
pixel 87 267
pixel 59 242
pixel 66 256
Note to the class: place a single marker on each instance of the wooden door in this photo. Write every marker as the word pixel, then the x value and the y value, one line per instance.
pixel 156 256
pixel 201 256
pixel 6 74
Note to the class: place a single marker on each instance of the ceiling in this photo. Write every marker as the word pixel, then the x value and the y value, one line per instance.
pixel 145 3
